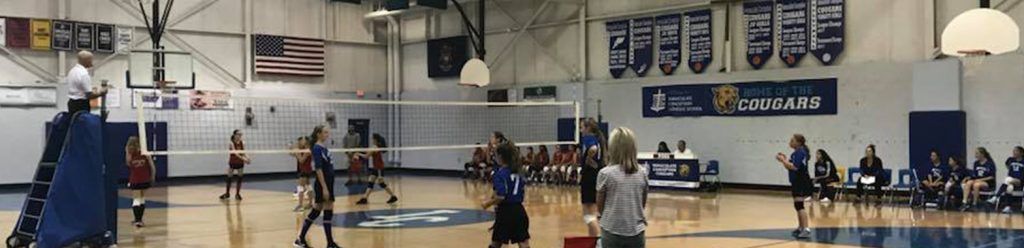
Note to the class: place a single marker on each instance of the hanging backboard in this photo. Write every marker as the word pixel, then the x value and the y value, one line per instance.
pixel 177 70
pixel 981 29
pixel 475 73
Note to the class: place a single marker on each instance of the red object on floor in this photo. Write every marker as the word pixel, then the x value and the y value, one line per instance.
pixel 580 242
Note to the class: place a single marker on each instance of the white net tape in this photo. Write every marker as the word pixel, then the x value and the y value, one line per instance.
pixel 406 125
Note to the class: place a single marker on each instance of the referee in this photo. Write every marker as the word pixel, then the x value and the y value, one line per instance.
pixel 80 89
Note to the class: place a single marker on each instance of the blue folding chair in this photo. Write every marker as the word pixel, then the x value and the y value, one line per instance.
pixel 851 181
pixel 887 187
pixel 907 181
pixel 712 171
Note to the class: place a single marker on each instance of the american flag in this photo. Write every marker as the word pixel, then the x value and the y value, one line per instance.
pixel 288 55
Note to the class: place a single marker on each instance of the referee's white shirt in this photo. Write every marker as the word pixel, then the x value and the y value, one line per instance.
pixel 79 83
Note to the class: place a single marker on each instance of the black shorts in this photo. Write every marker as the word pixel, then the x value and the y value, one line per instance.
pixel 236 166
pixel 377 172
pixel 139 186
pixel 802 187
pixel 318 193
pixel 305 174
pixel 511 224
pixel 588 186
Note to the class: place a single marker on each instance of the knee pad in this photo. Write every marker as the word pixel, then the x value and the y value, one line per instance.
pixel 589 218
pixel 799 206
pixel 138 202
pixel 383 185
pixel 369 185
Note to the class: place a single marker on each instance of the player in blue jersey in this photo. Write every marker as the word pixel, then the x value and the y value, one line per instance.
pixel 592 147
pixel 511 224
pixel 983 178
pixel 323 188
pixel 1015 174
pixel 937 175
pixel 800 180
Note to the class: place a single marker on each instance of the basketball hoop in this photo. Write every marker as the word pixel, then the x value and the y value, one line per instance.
pixel 971 59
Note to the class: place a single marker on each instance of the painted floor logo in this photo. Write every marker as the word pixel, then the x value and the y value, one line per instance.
pixel 412 218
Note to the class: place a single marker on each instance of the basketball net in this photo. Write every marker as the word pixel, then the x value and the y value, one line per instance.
pixel 166 87
pixel 972 59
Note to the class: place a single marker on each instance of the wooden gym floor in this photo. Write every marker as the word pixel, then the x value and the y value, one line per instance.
pixel 439 211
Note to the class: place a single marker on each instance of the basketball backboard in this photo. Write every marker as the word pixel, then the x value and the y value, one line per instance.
pixel 981 29
pixel 177 69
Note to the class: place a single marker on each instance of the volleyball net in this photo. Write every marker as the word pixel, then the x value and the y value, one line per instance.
pixel 202 122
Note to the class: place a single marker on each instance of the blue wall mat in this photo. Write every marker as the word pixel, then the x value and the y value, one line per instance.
pixel 945 131
pixel 117 134
pixel 567 129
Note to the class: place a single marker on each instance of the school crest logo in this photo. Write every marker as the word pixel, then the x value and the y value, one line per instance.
pixel 412 218
pixel 658 101
pixel 447 61
pixel 726 98
pixel 684 170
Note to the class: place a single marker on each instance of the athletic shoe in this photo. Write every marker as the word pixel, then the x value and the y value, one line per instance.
pixel 393 200
pixel 139 224
pixel 238 197
pixel 225 196
pixel 931 205
pixel 825 200
pixel 993 200
pixel 333 245
pixel 795 232
pixel 361 202
pixel 804 234
pixel 300 244
pixel 1007 210
pixel 965 208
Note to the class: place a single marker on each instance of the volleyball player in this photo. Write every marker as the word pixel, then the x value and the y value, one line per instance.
pixel 800 181
pixel 511 223
pixel 492 153
pixel 571 169
pixel 377 170
pixel 1015 174
pixel 592 159
pixel 141 174
pixel 958 173
pixel 938 174
pixel 323 191
pixel 304 167
pixel 982 179
pixel 236 165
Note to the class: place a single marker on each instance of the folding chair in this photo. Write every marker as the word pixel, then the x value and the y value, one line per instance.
pixel 907 181
pixel 712 171
pixel 837 185
pixel 887 187
pixel 851 181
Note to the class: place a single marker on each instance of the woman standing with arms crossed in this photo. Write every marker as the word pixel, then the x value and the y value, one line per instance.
pixel 800 181
pixel 323 189
pixel 593 146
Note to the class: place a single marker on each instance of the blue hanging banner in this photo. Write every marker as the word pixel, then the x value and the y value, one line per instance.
pixel 668 42
pixel 641 51
pixel 793 30
pixel 618 46
pixel 767 98
pixel 759 24
pixel 827 29
pixel 698 33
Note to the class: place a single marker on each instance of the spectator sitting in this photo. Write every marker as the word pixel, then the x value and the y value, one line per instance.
pixel 475 166
pixel 663 147
pixel 540 161
pixel 938 174
pixel 683 152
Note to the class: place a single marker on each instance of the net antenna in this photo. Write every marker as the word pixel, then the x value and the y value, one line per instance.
pixel 975 34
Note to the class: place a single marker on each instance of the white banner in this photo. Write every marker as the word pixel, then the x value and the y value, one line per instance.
pixel 28 96
pixel 3 32
pixel 124 39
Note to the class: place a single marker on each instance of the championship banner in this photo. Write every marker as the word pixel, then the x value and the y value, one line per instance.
pixel 793 31
pixel 698 32
pixel 827 29
pixel 155 99
pixel 641 48
pixel 41 34
pixel 18 33
pixel 758 21
pixel 63 34
pixel 210 100
pixel 85 34
pixel 540 94
pixel 105 38
pixel 618 47
pixel 3 31
pixel 124 39
pixel 671 173
pixel 769 98
pixel 668 42
pixel 446 56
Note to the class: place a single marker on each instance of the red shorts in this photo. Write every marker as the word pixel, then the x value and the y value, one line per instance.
pixel 355 164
